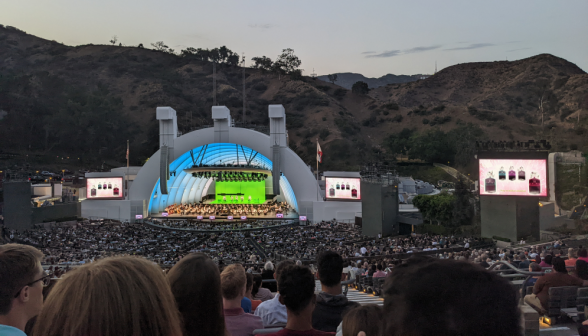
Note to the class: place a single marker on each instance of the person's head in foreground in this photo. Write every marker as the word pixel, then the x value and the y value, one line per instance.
pixel 427 296
pixel 21 284
pixel 195 284
pixel 120 296
pixel 330 269
pixel 296 286
pixel 233 284
pixel 559 265
pixel 366 318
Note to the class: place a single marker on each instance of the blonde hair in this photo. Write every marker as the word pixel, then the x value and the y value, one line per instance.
pixel 114 296
pixel 233 280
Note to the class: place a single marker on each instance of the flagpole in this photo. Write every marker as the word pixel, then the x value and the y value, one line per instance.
pixel 127 175
pixel 317 180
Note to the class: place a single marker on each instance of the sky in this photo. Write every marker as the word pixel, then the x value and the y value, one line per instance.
pixel 373 38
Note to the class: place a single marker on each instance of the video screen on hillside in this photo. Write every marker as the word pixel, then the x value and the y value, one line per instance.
pixel 104 188
pixel 343 188
pixel 513 177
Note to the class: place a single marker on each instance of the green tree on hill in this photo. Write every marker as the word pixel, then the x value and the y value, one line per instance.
pixel 222 55
pixel 286 63
pixel 263 63
pixel 437 208
pixel 463 205
pixel 360 87
pixel 332 78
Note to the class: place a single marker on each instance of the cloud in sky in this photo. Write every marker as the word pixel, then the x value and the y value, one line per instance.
pixel 518 49
pixel 262 26
pixel 389 53
pixel 392 53
pixel 473 46
pixel 421 49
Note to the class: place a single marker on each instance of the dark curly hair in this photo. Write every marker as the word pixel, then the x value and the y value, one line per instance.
pixel 296 286
pixel 453 297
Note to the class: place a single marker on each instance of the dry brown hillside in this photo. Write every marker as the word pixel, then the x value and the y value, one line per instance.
pixel 503 97
pixel 86 101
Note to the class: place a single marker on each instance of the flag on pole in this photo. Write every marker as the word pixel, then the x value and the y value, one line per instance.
pixel 319 153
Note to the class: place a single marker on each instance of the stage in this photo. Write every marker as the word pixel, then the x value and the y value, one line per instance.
pixel 224 218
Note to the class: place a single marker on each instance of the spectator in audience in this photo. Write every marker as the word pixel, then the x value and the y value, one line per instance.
pixel 196 286
pixel 21 287
pixel 581 270
pixel 246 303
pixel 233 285
pixel 296 287
pixel 379 273
pixel 571 261
pixel 249 294
pixel 530 282
pixel 273 311
pixel 583 254
pixel 559 278
pixel 427 296
pixel 366 318
pixel 258 292
pixel 267 274
pixel 114 296
pixel 331 303
pixel 524 264
pixel 546 261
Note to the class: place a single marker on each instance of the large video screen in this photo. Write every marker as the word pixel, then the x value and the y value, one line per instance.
pixel 104 188
pixel 244 192
pixel 513 177
pixel 343 188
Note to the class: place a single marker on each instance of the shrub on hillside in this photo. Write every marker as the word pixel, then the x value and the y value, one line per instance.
pixel 324 88
pixel 340 93
pixel 260 87
pixel 439 108
pixel 398 118
pixel 370 122
pixel 392 106
pixel 360 88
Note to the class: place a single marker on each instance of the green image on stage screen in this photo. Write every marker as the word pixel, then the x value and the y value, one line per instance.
pixel 224 191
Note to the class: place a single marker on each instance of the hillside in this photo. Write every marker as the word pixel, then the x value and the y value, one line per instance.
pixel 347 79
pixel 86 101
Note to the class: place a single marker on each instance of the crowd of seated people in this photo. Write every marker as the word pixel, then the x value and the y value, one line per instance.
pixel 89 241
pixel 208 209
pixel 196 297
pixel 86 242
pixel 215 226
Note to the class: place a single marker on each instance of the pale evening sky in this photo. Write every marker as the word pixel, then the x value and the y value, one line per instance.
pixel 369 37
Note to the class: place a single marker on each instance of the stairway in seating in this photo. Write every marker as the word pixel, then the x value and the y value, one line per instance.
pixel 357 296
pixel 260 250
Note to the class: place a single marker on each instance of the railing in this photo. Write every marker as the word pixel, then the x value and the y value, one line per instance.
pixel 520 273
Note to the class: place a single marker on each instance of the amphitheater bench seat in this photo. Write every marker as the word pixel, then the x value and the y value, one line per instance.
pixel 379 286
pixel 359 280
pixel 561 302
pixel 266 331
